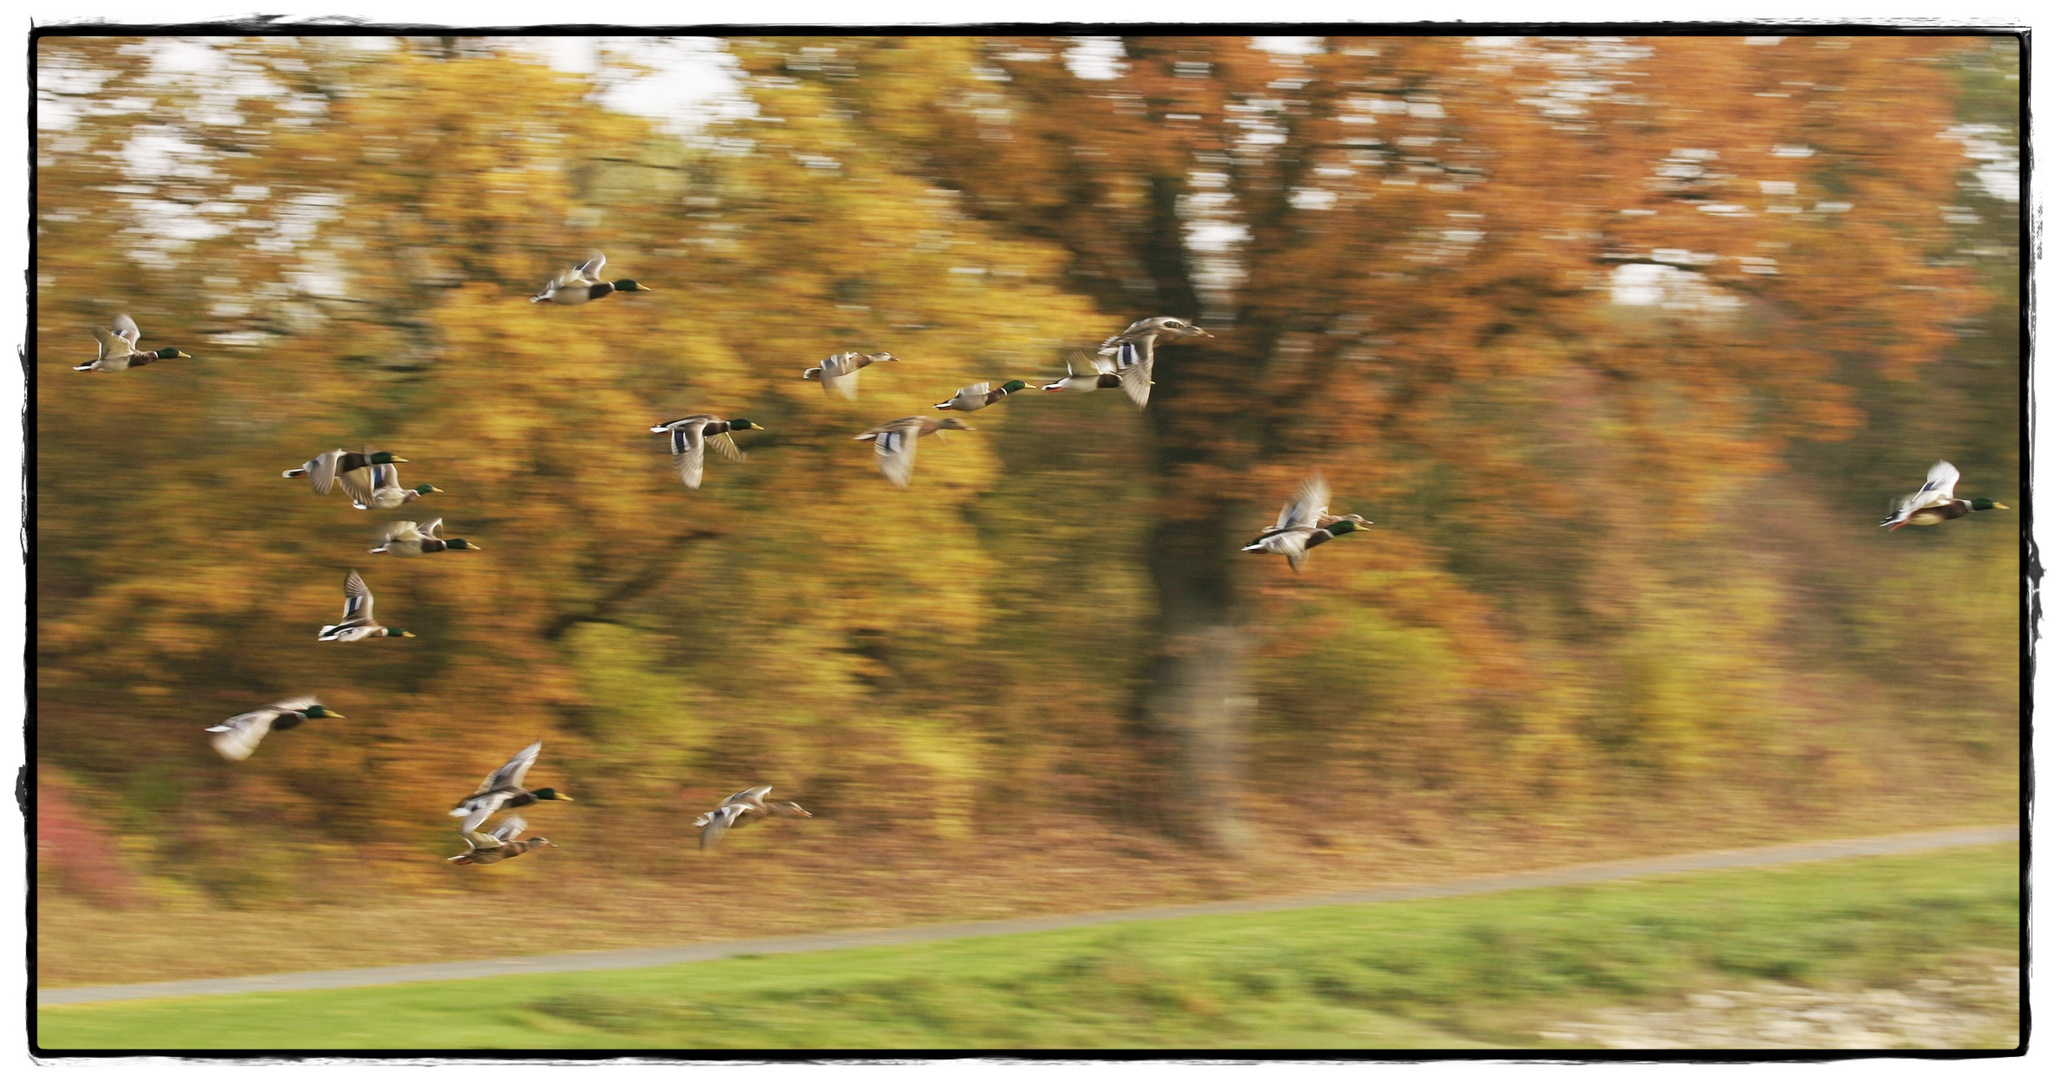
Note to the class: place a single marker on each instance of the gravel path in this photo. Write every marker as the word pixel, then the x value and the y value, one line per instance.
pixel 680 954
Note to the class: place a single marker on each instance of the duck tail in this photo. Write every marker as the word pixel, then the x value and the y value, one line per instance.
pixel 291 473
pixel 87 366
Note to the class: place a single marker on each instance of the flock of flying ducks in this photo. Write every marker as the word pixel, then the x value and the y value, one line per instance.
pixel 372 480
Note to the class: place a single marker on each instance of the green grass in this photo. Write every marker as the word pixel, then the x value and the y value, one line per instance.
pixel 1467 972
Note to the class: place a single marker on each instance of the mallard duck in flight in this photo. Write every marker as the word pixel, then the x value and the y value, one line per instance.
pixel 406 539
pixel 502 790
pixel 323 469
pixel 1135 351
pixel 1936 502
pixel 357 623
pixel 118 350
pixel 582 284
pixel 838 373
pixel 237 737
pixel 692 435
pixel 503 846
pixel 1305 523
pixel 979 395
pixel 894 440
pixel 733 809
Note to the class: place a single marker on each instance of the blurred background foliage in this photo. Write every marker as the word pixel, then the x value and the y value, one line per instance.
pixel 1624 345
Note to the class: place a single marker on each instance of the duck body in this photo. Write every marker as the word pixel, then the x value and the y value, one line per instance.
pixel 1135 351
pixel 357 624
pixel 894 443
pixel 838 373
pixel 1936 501
pixel 1101 374
pixel 582 285
pixel 715 823
pixel 407 539
pixel 1304 524
pixel 502 790
pixel 692 435
pixel 237 737
pixel 118 352
pixel 979 395
pixel 503 845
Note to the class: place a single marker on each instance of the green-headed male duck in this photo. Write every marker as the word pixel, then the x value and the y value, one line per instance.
pixel 1936 502
pixel 118 350
pixel 1305 523
pixel 236 737
pixel 357 623
pixel 582 283
pixel 322 469
pixel 406 539
pixel 502 790
pixel 979 395
pixel 692 435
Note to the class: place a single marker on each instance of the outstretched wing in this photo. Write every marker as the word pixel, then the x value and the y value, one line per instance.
pixel 895 447
pixel 360 484
pixel 237 737
pixel 402 530
pixel 1941 486
pixel 1310 501
pixel 689 451
pixel 718 822
pixel 725 445
pixel 356 599
pixel 1135 367
pixel 589 271
pixel 508 829
pixel 125 329
pixel 512 773
pixel 321 470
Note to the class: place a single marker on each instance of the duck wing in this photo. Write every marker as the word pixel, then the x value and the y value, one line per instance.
pixel 717 823
pixel 725 445
pixel 1310 502
pixel 689 449
pixel 839 374
pixel 361 484
pixel 356 600
pixel 589 271
pixel 511 774
pixel 894 442
pixel 1941 486
pixel 237 737
pixel 125 328
pixel 320 470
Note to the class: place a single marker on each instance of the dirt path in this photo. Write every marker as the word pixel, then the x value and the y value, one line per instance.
pixel 680 954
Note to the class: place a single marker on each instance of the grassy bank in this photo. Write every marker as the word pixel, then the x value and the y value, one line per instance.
pixel 1471 972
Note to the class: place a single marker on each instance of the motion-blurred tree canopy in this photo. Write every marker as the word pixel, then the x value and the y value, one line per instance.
pixel 1622 343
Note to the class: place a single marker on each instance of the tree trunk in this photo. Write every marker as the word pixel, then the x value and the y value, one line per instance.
pixel 1193 711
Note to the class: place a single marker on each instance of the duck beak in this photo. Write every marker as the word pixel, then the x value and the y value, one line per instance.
pixel 2000 506
pixel 399 461
pixel 334 715
pixel 406 633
